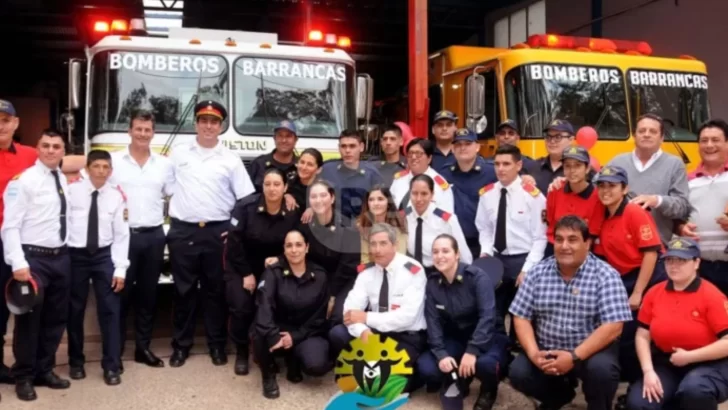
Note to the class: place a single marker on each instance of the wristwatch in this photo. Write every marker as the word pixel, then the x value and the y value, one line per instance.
pixel 574 358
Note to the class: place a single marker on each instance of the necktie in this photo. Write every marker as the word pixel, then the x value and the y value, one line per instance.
pixel 62 195
pixel 418 241
pixel 384 293
pixel 92 235
pixel 500 225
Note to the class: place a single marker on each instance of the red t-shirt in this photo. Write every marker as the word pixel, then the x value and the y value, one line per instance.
pixel 688 319
pixel 585 205
pixel 13 161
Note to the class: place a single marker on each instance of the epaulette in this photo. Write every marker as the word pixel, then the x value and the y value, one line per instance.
pixel 16 177
pixel 123 195
pixel 441 182
pixel 442 214
pixel 531 189
pixel 364 266
pixel 401 173
pixel 485 189
pixel 412 267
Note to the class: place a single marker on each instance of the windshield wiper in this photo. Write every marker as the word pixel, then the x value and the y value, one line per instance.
pixel 190 106
pixel 677 146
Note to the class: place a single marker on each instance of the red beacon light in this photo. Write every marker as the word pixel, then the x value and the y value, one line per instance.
pixel 119 26
pixel 101 26
pixel 344 42
pixel 602 45
pixel 315 35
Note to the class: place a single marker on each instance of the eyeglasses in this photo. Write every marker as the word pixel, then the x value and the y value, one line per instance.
pixel 416 154
pixel 555 138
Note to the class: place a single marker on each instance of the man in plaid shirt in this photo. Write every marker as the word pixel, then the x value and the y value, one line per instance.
pixel 567 314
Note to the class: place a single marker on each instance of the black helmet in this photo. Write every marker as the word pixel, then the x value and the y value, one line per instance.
pixel 22 297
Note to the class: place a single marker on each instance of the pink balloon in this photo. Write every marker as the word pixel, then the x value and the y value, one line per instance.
pixel 596 166
pixel 587 137
pixel 406 132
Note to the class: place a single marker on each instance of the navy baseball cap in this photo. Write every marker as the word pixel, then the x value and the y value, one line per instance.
pixel 683 248
pixel 611 173
pixel 578 153
pixel 509 124
pixel 7 107
pixel 464 134
pixel 560 126
pixel 22 297
pixel 210 107
pixel 286 125
pixel 445 115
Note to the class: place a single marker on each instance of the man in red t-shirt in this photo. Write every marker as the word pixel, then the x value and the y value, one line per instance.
pixel 14 159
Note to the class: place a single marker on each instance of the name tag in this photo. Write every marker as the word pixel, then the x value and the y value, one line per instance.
pixel 395 307
pixel 441 307
pixel 398 295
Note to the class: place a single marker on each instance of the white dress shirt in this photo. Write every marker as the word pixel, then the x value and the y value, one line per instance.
pixel 435 221
pixel 208 182
pixel 525 227
pixel 113 227
pixel 638 162
pixel 32 213
pixel 407 280
pixel 442 195
pixel 145 186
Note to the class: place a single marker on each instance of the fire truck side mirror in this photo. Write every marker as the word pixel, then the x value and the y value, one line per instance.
pixel 475 92
pixel 74 84
pixel 364 97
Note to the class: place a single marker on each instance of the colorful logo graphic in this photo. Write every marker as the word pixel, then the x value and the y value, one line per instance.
pixel 372 374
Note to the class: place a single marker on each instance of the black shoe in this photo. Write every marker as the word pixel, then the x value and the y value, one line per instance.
pixel 293 371
pixel 179 357
pixel 5 376
pixel 270 387
pixel 558 405
pixel 25 391
pixel 218 356
pixel 147 357
pixel 486 399
pixel 77 372
pixel 52 381
pixel 242 366
pixel 621 402
pixel 112 378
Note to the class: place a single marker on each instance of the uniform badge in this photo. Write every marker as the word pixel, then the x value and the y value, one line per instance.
pixel 361 171
pixel 286 272
pixel 412 267
pixel 460 278
pixel 477 167
pixel 267 163
pixel 442 214
pixel 261 209
pixel 395 307
pixel 645 232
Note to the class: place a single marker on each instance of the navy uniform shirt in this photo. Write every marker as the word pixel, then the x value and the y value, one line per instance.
pixel 287 303
pixel 463 310
pixel 465 188
pixel 265 162
pixel 440 160
pixel 351 185
pixel 298 191
pixel 256 235
pixel 544 174
pixel 388 169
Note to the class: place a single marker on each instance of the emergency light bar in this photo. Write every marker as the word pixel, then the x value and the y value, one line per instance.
pixel 317 38
pixel 602 45
pixel 118 26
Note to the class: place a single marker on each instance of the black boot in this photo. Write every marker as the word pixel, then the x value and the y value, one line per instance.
pixel 241 361
pixel 293 370
pixel 270 386
pixel 486 398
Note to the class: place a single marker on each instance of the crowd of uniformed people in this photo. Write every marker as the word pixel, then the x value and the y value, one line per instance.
pixel 608 276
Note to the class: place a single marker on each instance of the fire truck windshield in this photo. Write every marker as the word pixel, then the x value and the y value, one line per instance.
pixel 316 96
pixel 537 94
pixel 680 98
pixel 123 82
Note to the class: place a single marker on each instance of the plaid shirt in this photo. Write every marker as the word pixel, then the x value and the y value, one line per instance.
pixel 566 313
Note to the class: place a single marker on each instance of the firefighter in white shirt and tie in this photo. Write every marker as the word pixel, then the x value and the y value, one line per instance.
pixel 34 234
pixel 393 287
pixel 511 221
pixel 99 246
pixel 209 179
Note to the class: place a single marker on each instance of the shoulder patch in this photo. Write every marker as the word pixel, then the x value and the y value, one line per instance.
pixel 531 189
pixel 442 214
pixel 485 189
pixel 401 173
pixel 123 195
pixel 364 266
pixel 441 182
pixel 412 267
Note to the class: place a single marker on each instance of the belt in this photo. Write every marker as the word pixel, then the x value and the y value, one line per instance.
pixel 199 224
pixel 43 251
pixel 85 250
pixel 144 229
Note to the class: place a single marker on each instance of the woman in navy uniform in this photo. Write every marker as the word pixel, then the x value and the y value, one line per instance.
pixel 332 245
pixel 379 207
pixel 682 341
pixel 260 223
pixel 460 314
pixel 291 319
pixel 308 168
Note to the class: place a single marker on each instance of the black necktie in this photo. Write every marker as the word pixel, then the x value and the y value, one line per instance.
pixel 92 235
pixel 62 195
pixel 500 225
pixel 418 241
pixel 384 293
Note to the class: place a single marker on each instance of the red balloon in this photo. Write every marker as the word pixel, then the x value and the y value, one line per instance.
pixel 406 132
pixel 596 166
pixel 587 137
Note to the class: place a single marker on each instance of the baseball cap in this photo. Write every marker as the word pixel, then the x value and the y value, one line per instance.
pixel 445 115
pixel 7 108
pixel 560 126
pixel 464 134
pixel 612 173
pixel 578 153
pixel 683 248
pixel 508 123
pixel 286 125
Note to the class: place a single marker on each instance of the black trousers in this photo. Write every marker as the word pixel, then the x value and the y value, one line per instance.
pixel 337 313
pixel 242 309
pixel 99 270
pixel 146 257
pixel 6 273
pixel 599 375
pixel 196 256
pixel 38 332
pixel 311 355
pixel 506 292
